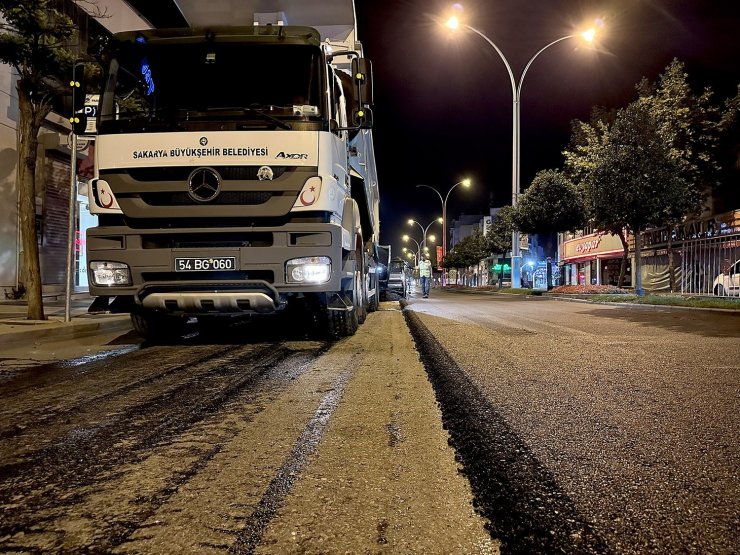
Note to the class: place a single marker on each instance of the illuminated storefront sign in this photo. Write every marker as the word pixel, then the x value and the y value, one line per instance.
pixel 592 246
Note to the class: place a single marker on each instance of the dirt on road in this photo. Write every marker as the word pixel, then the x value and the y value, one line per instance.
pixel 269 446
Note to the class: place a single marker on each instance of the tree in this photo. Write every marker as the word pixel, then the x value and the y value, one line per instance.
pixel 551 204
pixel 498 238
pixel 34 41
pixel 474 248
pixel 635 181
pixel 582 157
pixel 690 126
pixel 452 260
pixel 689 123
pixel 468 252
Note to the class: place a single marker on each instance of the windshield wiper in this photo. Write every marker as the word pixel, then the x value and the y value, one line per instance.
pixel 253 111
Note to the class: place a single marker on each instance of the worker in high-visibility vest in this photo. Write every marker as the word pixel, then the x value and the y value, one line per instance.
pixel 425 274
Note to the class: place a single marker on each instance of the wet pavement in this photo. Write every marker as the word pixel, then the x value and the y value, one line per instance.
pixel 587 428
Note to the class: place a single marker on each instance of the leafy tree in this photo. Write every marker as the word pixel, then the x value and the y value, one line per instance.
pixel 498 238
pixel 690 126
pixel 551 204
pixel 468 252
pixel 475 248
pixel 34 41
pixel 635 182
pixel 585 143
pixel 452 260
pixel 689 123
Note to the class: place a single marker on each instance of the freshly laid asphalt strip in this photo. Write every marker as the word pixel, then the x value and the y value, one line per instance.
pixel 525 507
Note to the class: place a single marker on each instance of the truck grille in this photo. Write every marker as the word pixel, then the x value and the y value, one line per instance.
pixel 206 240
pixel 225 198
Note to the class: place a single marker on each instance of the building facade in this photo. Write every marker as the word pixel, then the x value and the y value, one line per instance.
pixel 53 168
pixel 696 257
pixel 591 259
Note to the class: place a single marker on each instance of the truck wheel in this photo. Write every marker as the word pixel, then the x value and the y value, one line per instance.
pixel 343 323
pixel 158 327
pixel 719 291
pixel 359 295
pixel 373 303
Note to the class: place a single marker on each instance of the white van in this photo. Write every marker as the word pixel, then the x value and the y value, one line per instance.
pixel 728 284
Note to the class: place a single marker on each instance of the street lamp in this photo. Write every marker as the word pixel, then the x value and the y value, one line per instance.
pixel 406 239
pixel 516 92
pixel 464 183
pixel 425 229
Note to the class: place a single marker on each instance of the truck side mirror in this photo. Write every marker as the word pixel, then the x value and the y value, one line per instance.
pixel 362 73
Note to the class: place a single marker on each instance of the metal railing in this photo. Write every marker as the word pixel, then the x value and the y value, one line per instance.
pixel 710 266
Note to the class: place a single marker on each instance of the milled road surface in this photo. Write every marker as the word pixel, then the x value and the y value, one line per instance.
pixel 588 428
pixel 249 443
pixel 580 429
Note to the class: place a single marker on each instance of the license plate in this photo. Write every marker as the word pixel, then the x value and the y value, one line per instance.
pixel 198 264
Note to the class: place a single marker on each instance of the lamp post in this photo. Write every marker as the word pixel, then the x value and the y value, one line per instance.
pixel 425 229
pixel 464 183
pixel 419 246
pixel 516 92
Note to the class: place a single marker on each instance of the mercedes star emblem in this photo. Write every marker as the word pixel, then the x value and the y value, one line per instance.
pixel 204 184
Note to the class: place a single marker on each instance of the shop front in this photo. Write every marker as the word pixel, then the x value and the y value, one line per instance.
pixel 593 259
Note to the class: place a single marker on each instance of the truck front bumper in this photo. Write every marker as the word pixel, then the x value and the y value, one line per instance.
pixel 258 283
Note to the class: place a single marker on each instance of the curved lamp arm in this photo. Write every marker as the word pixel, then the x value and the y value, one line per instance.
pixel 529 63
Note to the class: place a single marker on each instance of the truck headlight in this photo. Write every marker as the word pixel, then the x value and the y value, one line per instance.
pixel 110 274
pixel 310 269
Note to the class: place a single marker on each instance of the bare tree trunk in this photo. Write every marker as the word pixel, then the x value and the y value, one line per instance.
pixel 625 256
pixel 671 266
pixel 28 128
pixel 638 264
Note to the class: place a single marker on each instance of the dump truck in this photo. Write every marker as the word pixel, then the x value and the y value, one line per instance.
pixel 235 177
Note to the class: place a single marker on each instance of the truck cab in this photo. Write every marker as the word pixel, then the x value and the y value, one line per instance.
pixel 235 176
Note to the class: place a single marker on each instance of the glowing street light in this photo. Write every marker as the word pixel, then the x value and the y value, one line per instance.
pixel 589 35
pixel 406 239
pixel 425 229
pixel 465 183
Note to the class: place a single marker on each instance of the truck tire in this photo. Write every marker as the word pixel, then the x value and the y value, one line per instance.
pixel 373 303
pixel 343 323
pixel 158 328
pixel 359 295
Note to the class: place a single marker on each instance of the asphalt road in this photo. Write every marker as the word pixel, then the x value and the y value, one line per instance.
pixel 466 423
pixel 243 441
pixel 590 428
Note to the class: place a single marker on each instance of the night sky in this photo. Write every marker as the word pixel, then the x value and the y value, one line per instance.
pixel 443 102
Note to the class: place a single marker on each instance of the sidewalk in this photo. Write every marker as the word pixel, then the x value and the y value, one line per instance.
pixel 15 328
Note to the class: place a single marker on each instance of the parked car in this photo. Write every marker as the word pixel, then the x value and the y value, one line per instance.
pixel 398 274
pixel 727 284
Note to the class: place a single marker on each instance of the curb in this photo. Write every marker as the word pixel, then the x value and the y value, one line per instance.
pixel 13 331
pixel 587 301
pixel 645 305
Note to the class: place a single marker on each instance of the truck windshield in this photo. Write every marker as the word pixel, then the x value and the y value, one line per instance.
pixel 168 84
pixel 396 267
